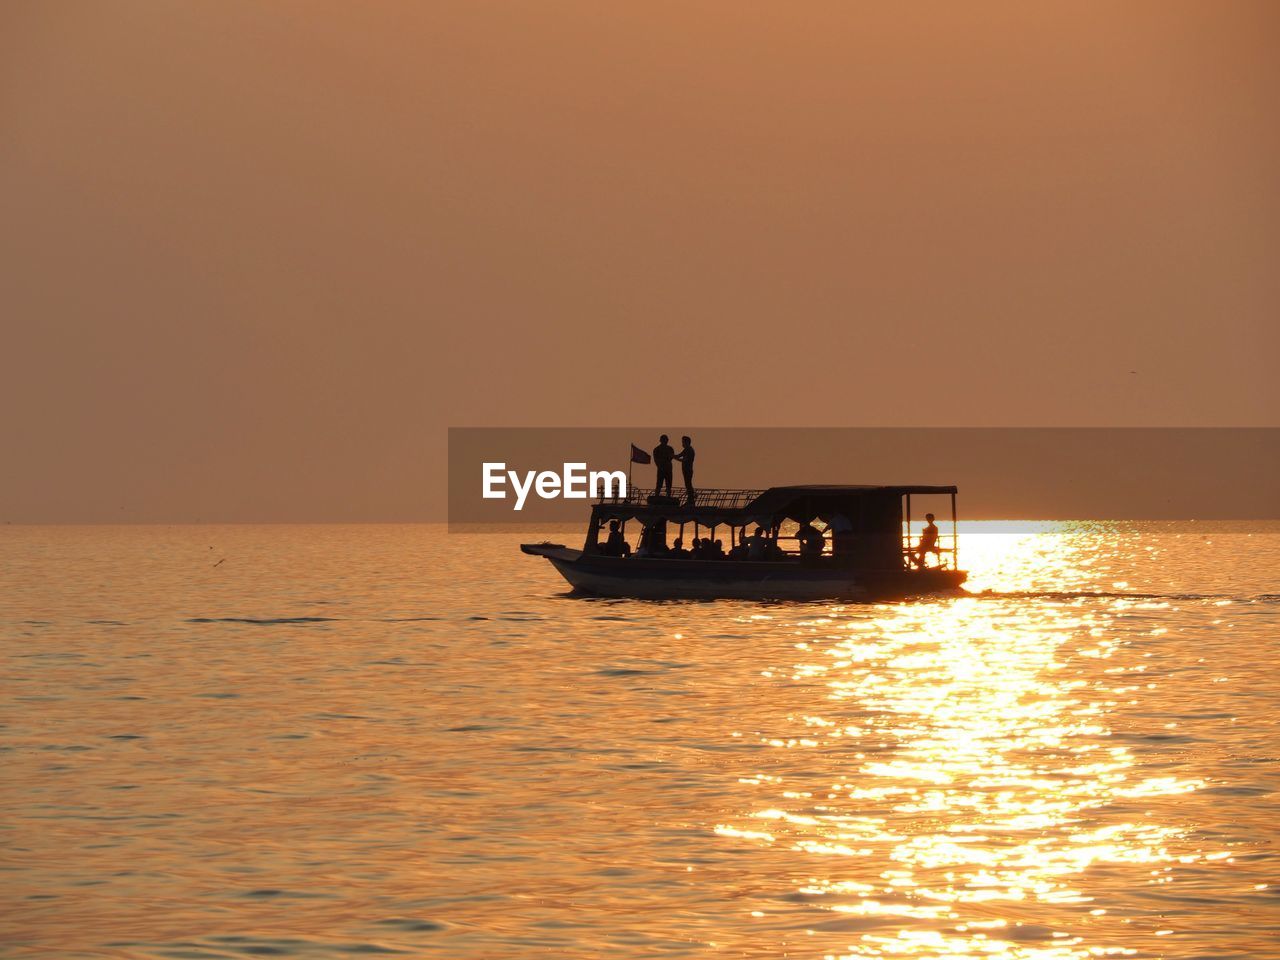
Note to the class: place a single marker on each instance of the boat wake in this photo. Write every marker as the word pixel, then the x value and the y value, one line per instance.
pixel 1066 595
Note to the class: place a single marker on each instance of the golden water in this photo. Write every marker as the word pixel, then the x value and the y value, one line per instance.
pixel 347 741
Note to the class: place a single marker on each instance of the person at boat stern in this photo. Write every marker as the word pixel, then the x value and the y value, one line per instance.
pixel 685 456
pixel 928 542
pixel 663 454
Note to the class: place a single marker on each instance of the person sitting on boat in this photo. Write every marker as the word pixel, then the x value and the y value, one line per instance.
pixel 928 542
pixel 716 551
pixel 811 541
pixel 677 550
pixel 841 534
pixel 616 545
pixel 739 550
pixel 663 454
pixel 652 542
pixel 758 545
pixel 704 548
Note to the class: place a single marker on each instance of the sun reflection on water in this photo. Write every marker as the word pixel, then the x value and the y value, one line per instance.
pixel 979 781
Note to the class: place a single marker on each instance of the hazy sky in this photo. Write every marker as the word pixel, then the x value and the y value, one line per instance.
pixel 255 257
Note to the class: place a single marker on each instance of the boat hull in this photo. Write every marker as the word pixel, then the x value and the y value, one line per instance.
pixel 664 579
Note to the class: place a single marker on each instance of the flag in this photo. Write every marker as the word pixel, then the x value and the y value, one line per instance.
pixel 638 455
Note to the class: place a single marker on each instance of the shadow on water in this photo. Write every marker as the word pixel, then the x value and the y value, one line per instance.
pixel 1053 595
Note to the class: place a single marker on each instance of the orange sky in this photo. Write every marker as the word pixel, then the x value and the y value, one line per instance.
pixel 256 257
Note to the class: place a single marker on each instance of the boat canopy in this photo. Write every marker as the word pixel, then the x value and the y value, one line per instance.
pixel 716 506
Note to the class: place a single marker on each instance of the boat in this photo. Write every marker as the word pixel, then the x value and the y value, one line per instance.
pixel 867 551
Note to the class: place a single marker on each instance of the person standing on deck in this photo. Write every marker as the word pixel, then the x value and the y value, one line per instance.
pixel 663 454
pixel 685 456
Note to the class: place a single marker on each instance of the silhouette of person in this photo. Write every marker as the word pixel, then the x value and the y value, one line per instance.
pixel 616 545
pixel 928 542
pixel 811 541
pixel 652 541
pixel 841 528
pixel 685 456
pixel 663 454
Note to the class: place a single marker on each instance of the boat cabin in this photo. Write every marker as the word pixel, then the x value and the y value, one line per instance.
pixel 861 527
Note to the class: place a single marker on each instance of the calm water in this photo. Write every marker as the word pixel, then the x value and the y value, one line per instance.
pixel 344 741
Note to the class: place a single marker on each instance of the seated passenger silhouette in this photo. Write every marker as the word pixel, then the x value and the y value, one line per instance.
pixel 652 542
pixel 811 541
pixel 758 546
pixel 928 543
pixel 841 534
pixel 616 545
pixel 677 549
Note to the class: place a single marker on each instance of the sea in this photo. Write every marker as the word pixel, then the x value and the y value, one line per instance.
pixel 357 741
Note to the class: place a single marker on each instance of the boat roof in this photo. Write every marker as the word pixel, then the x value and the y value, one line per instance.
pixel 841 490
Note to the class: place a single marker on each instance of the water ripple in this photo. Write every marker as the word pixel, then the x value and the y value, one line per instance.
pixel 1078 760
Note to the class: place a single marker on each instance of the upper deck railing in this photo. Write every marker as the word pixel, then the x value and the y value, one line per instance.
pixel 716 498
